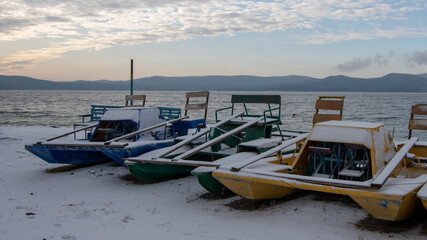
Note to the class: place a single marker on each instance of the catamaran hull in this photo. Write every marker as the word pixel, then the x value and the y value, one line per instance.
pixel 248 187
pixel 90 154
pixel 208 182
pixel 386 205
pixel 148 172
pixel 118 153
pixel 422 194
pixel 211 184
pixel 68 154
pixel 424 201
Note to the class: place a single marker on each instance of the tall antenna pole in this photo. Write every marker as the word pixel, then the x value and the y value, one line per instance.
pixel 131 80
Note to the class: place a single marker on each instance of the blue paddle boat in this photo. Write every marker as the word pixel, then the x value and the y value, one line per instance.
pixel 121 132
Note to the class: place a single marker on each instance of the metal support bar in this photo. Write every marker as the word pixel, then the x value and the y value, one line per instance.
pixel 68 133
pixel 83 145
pixel 315 180
pixel 180 162
pixel 217 139
pixel 131 80
pixel 382 177
pixel 197 135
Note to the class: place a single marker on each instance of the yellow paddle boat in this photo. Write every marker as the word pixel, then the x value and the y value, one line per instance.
pixel 357 159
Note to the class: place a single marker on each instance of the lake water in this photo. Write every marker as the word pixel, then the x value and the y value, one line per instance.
pixel 61 108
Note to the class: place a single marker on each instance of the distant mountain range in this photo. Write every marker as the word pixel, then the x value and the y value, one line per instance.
pixel 393 82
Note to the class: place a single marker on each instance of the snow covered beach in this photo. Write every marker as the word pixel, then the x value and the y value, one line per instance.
pixel 42 201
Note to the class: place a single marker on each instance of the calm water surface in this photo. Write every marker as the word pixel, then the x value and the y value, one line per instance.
pixel 61 108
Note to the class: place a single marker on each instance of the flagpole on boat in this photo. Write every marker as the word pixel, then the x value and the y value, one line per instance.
pixel 131 80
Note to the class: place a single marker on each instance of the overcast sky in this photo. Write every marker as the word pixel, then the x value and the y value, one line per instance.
pixel 95 39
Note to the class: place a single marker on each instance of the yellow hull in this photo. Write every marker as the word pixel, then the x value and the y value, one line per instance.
pixel 422 194
pixel 250 188
pixel 392 208
pixel 390 203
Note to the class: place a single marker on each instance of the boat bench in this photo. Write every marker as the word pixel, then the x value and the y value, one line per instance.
pixel 329 106
pixel 96 112
pixel 169 113
pixel 417 122
pixel 271 113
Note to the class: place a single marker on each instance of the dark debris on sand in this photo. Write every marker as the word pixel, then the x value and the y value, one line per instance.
pixel 383 226
pixel 213 196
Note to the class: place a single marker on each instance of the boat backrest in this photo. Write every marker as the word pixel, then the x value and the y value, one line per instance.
pixel 416 123
pixel 329 106
pixel 130 98
pixel 267 99
pixel 169 113
pixel 272 110
pixel 196 96
pixel 97 111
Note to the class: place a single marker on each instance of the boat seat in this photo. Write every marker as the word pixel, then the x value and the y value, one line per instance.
pixel 356 159
pixel 351 173
pixel 108 132
pixel 328 104
pixel 244 120
pixel 271 116
pixel 130 98
pixel 324 150
pixel 190 105
pixel 416 122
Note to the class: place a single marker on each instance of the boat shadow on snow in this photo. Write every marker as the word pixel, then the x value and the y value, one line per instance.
pixel 417 223
pixel 72 167
pixel 254 205
pixel 132 179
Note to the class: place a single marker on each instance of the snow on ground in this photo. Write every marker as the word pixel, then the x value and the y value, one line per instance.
pixel 95 203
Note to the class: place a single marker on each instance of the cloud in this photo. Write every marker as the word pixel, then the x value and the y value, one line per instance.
pixel 358 63
pixel 98 24
pixel 417 58
pixel 367 35
pixel 56 19
pixel 10 66
pixel 382 60
pixel 355 64
pixel 10 24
